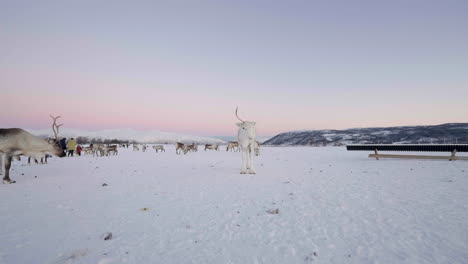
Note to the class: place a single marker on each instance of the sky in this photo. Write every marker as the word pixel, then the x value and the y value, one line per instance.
pixel 184 66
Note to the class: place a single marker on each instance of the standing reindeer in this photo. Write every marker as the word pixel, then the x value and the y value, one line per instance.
pixel 211 147
pixel 16 141
pixel 88 150
pixel 192 147
pixel 98 149
pixel 107 150
pixel 43 159
pixel 246 138
pixel 181 146
pixel 159 148
pixel 232 146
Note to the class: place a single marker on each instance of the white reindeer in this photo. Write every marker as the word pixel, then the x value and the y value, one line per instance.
pixel 98 150
pixel 135 147
pixel 43 159
pixel 246 139
pixel 16 141
pixel 159 148
pixel 88 150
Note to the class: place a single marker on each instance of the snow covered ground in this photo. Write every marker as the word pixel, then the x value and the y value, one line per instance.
pixel 334 207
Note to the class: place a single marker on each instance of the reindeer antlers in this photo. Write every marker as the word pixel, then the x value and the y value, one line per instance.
pixel 238 116
pixel 56 127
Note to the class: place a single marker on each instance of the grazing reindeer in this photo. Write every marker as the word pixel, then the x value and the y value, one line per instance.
pixel 107 150
pixel 232 146
pixel 192 147
pixel 246 139
pixel 98 149
pixel 181 146
pixel 159 147
pixel 135 147
pixel 16 142
pixel 211 147
pixel 88 150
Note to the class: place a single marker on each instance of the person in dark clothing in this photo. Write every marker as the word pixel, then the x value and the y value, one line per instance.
pixel 78 150
pixel 63 143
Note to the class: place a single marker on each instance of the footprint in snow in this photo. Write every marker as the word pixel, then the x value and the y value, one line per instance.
pixel 273 211
pixel 311 257
pixel 72 256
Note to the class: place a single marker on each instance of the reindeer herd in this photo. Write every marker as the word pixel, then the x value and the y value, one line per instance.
pixel 16 142
pixel 101 150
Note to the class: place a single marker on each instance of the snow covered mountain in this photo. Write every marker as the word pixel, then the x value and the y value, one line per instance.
pixel 130 135
pixel 438 134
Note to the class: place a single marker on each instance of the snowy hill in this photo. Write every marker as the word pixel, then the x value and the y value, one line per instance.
pixel 439 134
pixel 139 136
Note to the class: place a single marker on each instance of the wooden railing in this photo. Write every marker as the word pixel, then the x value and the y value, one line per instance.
pixel 452 148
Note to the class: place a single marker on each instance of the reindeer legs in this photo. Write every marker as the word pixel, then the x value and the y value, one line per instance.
pixel 6 160
pixel 245 156
pixel 250 153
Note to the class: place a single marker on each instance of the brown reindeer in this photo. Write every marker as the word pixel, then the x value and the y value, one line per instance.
pixel 192 147
pixel 16 141
pixel 233 146
pixel 181 146
pixel 211 147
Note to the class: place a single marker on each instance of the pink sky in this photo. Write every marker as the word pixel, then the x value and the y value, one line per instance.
pixel 185 68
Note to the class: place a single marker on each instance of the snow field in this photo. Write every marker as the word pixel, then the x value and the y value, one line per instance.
pixel 334 207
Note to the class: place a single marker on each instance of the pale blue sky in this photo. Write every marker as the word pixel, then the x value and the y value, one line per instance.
pixel 185 65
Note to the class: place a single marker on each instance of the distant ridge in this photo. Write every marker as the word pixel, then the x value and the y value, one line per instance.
pixel 437 134
pixel 127 134
pixel 260 139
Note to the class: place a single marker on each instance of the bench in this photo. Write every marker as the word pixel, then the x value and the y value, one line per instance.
pixel 452 148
